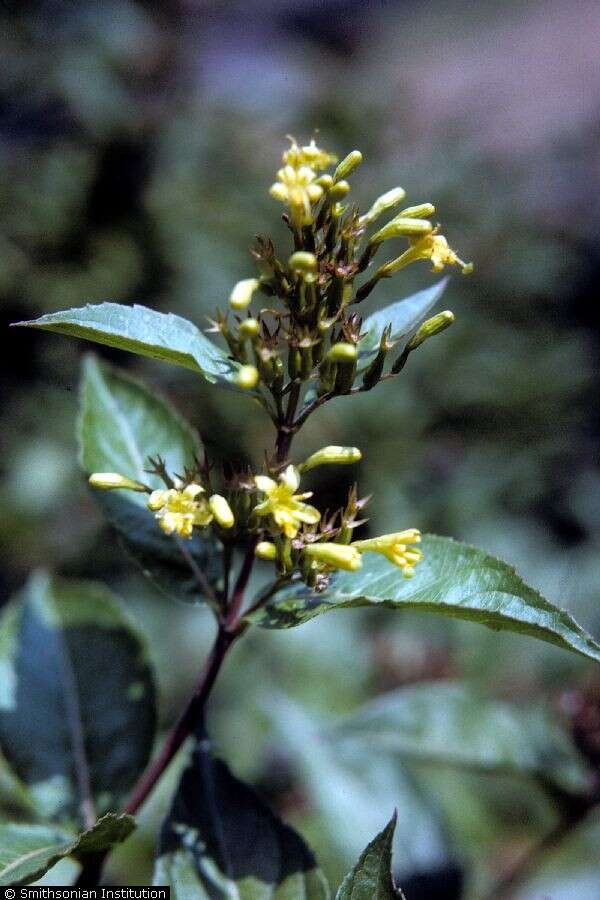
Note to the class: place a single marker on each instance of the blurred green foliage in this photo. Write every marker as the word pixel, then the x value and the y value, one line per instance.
pixel 138 143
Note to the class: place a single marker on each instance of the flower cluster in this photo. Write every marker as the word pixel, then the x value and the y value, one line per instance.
pixel 302 346
pixel 285 529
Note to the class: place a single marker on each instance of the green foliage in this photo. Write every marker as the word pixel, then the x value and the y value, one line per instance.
pixel 446 723
pixel 404 316
pixel 121 425
pixel 454 580
pixel 144 331
pixel 371 878
pixel 219 839
pixel 27 851
pixel 77 702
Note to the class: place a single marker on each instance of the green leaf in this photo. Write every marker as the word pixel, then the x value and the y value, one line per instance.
pixel 371 878
pixel 77 703
pixel 404 316
pixel 121 425
pixel 27 851
pixel 453 580
pixel 449 724
pixel 221 840
pixel 352 790
pixel 144 331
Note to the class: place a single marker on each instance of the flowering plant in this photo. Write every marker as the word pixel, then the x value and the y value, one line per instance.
pixel 293 340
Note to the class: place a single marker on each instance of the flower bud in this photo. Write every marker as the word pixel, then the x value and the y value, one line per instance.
pixel 402 226
pixel 339 190
pixel 331 456
pixel 266 550
pixel 387 201
pixel 342 353
pixel 110 481
pixel 432 326
pixel 422 211
pixel 303 263
pixel 241 295
pixel 348 165
pixel 249 328
pixel 221 510
pixel 340 556
pixel 325 181
pixel 247 377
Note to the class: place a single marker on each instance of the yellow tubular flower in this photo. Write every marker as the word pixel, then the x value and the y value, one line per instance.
pixel 431 246
pixel 177 510
pixel 397 548
pixel 339 556
pixel 284 504
pixel 309 155
pixel 297 188
pixel 221 510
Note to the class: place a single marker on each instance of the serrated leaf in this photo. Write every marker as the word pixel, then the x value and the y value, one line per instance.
pixel 450 724
pixel 404 316
pixel 121 425
pixel 146 332
pixel 220 840
pixel 77 708
pixel 371 878
pixel 27 851
pixel 453 580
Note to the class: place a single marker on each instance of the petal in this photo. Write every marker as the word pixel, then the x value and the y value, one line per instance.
pixel 192 491
pixel 308 514
pixel 265 484
pixel 290 477
pixel 158 499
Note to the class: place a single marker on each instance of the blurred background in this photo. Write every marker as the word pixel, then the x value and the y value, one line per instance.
pixel 137 145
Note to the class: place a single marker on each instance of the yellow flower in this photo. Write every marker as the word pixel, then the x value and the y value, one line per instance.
pixel 397 548
pixel 339 556
pixel 297 188
pixel 431 246
pixel 178 509
pixel 309 155
pixel 284 504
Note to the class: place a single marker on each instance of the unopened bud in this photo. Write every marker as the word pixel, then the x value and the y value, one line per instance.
pixel 110 481
pixel 303 263
pixel 247 377
pixel 266 550
pixel 342 353
pixel 339 556
pixel 325 181
pixel 422 211
pixel 249 328
pixel 221 510
pixel 432 326
pixel 402 226
pixel 241 295
pixel 331 456
pixel 339 190
pixel 387 201
pixel 348 165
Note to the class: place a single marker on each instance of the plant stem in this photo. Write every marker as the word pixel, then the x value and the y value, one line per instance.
pixel 191 718
pixel 237 598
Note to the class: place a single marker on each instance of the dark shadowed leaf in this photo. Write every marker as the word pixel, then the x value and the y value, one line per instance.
pixel 147 332
pixel 220 840
pixel 77 699
pixel 453 580
pixel 404 316
pixel 371 878
pixel 450 724
pixel 27 851
pixel 121 425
